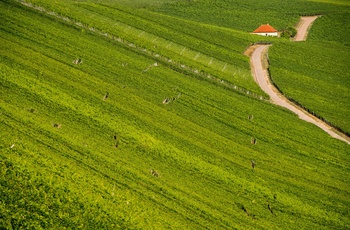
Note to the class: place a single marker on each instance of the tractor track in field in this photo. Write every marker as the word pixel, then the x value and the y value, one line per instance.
pixel 259 65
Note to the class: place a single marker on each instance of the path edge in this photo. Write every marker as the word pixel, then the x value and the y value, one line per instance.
pixel 342 134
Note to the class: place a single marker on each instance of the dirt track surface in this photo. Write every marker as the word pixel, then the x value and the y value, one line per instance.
pixel 262 78
pixel 303 28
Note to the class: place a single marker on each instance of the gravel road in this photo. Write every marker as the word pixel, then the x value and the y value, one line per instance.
pixel 262 78
pixel 303 28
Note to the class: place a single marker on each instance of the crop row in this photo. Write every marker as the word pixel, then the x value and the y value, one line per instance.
pixel 247 16
pixel 216 67
pixel 191 50
pixel 319 83
pixel 59 124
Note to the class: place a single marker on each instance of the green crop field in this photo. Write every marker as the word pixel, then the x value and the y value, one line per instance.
pixel 319 80
pixel 315 80
pixel 144 115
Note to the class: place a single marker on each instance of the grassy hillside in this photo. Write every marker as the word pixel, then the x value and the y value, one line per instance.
pixel 316 72
pixel 202 35
pixel 119 142
pixel 320 80
pixel 247 15
pixel 193 44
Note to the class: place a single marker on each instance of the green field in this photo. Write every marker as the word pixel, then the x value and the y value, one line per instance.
pixel 131 139
pixel 319 80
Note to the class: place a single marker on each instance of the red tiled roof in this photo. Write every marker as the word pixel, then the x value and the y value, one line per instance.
pixel 265 29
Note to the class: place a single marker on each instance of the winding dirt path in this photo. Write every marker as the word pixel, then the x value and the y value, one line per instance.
pixel 259 67
pixel 303 28
pixel 260 74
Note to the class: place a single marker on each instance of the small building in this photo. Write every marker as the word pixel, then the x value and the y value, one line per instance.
pixel 266 30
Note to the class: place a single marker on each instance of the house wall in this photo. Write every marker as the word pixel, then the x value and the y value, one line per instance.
pixel 274 34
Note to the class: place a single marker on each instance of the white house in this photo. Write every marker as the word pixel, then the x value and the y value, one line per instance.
pixel 266 30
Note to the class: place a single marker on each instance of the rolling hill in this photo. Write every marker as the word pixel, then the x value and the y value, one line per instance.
pixel 146 116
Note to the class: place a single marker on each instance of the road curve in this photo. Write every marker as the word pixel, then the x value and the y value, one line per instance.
pixel 303 28
pixel 263 79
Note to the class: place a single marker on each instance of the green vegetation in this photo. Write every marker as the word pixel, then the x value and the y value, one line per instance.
pixel 195 44
pixel 181 35
pixel 248 15
pixel 92 144
pixel 319 80
pixel 31 202
pixel 311 80
pixel 289 32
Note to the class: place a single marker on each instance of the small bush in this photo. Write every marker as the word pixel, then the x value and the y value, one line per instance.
pixel 289 32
